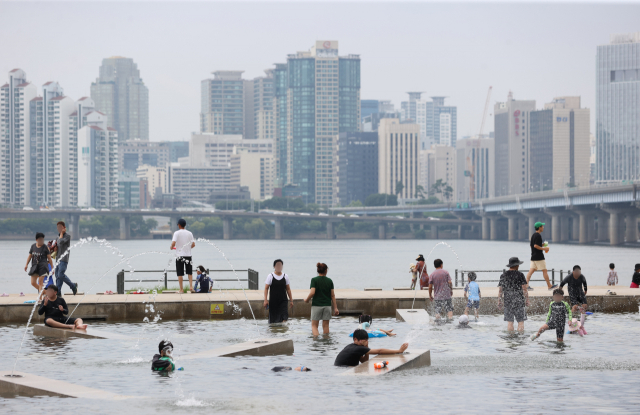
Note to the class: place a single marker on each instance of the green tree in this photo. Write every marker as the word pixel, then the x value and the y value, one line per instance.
pixel 419 192
pixel 399 187
pixel 284 203
pixel 381 199
pixel 442 188
pixel 257 229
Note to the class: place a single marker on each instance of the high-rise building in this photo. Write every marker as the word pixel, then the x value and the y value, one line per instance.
pixel 129 192
pixel 356 167
pixel 135 153
pixel 50 147
pixel 97 167
pixel 156 178
pixel 222 103
pixel 177 149
pixel 408 108
pixel 323 100
pixel 618 109
pixel 438 122
pixel 559 146
pixel 398 146
pixel 280 114
pixel 438 164
pixel 15 139
pixel 121 95
pixel 474 155
pixel 255 171
pixel 512 146
pixel 213 150
pixel 258 107
pixel 368 107
pixel 386 106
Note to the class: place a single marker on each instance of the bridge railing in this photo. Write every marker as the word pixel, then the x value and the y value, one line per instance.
pixel 460 275
pixel 252 278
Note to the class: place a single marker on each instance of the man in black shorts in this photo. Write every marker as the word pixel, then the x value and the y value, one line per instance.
pixel 39 255
pixel 576 281
pixel 513 295
pixel 55 308
pixel 183 242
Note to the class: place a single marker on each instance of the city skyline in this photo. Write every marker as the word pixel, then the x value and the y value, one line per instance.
pixel 556 61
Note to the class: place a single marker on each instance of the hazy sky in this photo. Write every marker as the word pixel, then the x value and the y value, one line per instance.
pixel 454 49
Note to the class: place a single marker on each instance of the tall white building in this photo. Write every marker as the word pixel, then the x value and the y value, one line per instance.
pixel 398 146
pixel 255 171
pixel 97 163
pixel 438 163
pixel 215 150
pixel 15 139
pixel 475 155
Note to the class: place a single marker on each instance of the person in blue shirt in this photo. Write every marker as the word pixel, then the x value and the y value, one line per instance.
pixel 472 294
pixel 203 282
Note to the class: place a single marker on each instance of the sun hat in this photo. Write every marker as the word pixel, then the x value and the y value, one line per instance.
pixel 513 261
pixel 574 325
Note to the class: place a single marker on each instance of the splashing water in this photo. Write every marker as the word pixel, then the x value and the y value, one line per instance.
pixel 427 259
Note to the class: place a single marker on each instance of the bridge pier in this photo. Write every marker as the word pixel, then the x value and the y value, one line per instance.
pixel 522 229
pixel 279 230
pixel 434 231
pixel 603 226
pixel 486 228
pixel 173 223
pixel 331 233
pixel 227 228
pixel 631 219
pixel 74 227
pixel 125 227
pixel 382 231
pixel 512 225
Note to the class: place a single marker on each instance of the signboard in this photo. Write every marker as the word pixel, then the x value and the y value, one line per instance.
pixel 217 308
pixel 562 119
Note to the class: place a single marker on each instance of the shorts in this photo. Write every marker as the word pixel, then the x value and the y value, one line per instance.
pixel 39 269
pixel 278 312
pixel 473 304
pixel 559 326
pixel 578 299
pixel 63 320
pixel 321 313
pixel 517 313
pixel 538 265
pixel 184 263
pixel 442 306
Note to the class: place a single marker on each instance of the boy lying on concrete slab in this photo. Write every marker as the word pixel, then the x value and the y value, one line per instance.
pixel 359 351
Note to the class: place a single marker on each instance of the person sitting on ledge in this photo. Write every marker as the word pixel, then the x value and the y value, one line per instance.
pixel 203 282
pixel 163 362
pixel 55 308
pixel 358 352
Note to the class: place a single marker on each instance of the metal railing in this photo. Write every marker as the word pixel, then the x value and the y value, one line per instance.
pixel 252 278
pixel 551 272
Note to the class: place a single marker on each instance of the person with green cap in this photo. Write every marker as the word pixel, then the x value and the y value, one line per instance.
pixel 538 262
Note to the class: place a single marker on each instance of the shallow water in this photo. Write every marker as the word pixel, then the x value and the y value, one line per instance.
pixel 478 370
pixel 352 263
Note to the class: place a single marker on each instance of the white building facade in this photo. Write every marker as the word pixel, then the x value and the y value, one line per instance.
pixel 398 157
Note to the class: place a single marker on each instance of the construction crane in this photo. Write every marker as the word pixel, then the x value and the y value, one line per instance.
pixel 472 172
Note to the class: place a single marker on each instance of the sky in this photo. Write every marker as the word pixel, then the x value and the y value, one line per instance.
pixel 537 50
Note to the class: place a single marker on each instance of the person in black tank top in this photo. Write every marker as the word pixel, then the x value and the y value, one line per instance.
pixel 277 294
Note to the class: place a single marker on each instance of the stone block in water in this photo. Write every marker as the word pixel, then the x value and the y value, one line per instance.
pixel 410 359
pixel 28 385
pixel 89 333
pixel 258 347
pixel 412 316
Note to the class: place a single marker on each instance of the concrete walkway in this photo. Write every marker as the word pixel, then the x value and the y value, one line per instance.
pixel 215 305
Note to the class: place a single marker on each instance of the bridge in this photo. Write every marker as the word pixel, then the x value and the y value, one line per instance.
pixel 606 214
pixel 72 218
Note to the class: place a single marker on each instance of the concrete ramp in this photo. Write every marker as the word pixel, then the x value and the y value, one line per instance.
pixel 25 384
pixel 258 347
pixel 89 333
pixel 412 316
pixel 410 359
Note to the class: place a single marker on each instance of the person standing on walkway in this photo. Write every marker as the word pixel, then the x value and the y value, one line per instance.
pixel 440 282
pixel 538 262
pixel 635 280
pixel 513 295
pixel 183 242
pixel 62 246
pixel 324 298
pixel 421 269
pixel 39 256
pixel 277 303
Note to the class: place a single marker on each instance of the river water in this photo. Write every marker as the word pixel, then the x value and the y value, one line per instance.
pixel 352 263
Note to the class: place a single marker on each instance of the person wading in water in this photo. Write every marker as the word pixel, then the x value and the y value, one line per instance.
pixel 277 303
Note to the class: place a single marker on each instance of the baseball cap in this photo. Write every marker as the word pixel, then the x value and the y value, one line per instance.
pixel 538 224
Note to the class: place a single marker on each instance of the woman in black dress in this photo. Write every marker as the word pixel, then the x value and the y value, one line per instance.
pixel 279 299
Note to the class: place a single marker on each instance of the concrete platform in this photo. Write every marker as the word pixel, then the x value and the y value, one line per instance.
pixel 31 386
pixel 410 359
pixel 89 333
pixel 258 347
pixel 412 316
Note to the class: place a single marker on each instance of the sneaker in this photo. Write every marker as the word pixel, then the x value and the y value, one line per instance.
pixel 74 288
pixel 530 288
pixel 553 287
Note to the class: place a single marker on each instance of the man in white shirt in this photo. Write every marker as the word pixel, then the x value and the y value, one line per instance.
pixel 183 242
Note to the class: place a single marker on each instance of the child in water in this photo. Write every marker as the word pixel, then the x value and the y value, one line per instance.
pixel 366 326
pixel 559 310
pixel 472 294
pixel 163 362
pixel 577 327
